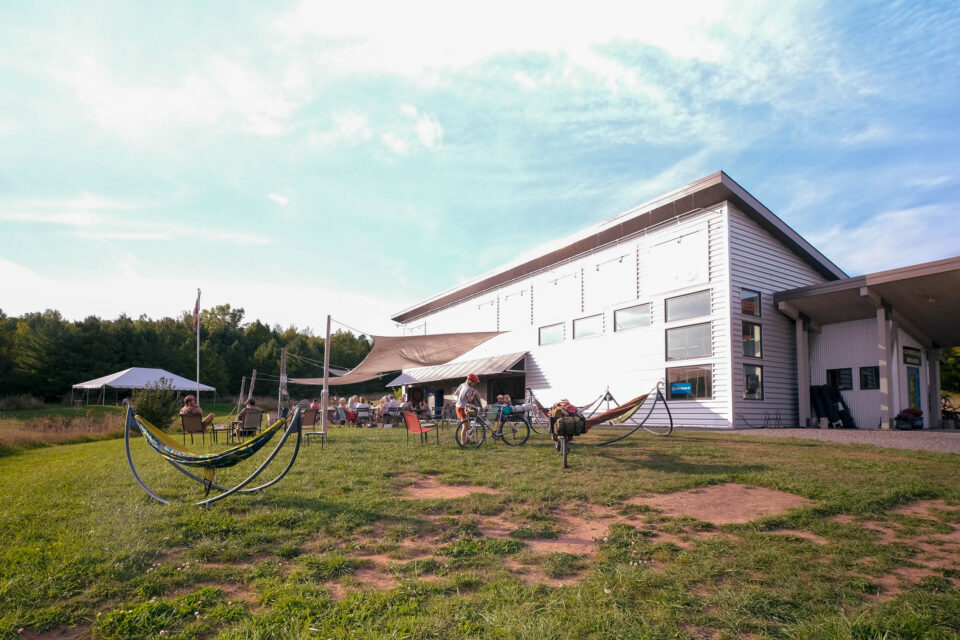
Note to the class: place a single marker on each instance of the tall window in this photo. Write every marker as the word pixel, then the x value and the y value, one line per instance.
pixel 752 382
pixel 750 302
pixel 638 316
pixel 689 383
pixel 694 341
pixel 691 305
pixel 840 378
pixel 751 340
pixel 588 327
pixel 551 334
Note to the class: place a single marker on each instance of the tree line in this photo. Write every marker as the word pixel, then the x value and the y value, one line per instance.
pixel 42 354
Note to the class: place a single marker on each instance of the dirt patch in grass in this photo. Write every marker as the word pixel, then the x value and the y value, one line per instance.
pixel 374 578
pixel 699 633
pixel 61 633
pixel 430 489
pixel 799 533
pixel 724 503
pixel 924 508
pixel 532 574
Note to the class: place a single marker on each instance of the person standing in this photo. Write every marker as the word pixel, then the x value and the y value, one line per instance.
pixel 466 394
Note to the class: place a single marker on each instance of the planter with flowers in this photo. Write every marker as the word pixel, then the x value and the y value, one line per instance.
pixel 909 419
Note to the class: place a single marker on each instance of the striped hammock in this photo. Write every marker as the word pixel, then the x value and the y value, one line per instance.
pixel 207 462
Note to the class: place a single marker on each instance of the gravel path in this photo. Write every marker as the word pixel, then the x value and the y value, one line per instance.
pixel 943 441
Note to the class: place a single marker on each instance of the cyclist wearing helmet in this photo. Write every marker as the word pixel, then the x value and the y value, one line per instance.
pixel 466 394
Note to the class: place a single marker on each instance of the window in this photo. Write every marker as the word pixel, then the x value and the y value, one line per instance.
pixel 869 378
pixel 552 333
pixel 751 340
pixel 688 383
pixel 841 378
pixel 688 306
pixel 631 317
pixel 750 302
pixel 588 327
pixel 689 342
pixel 752 382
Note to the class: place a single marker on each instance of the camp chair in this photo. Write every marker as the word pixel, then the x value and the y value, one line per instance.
pixel 250 426
pixel 363 417
pixel 391 415
pixel 192 425
pixel 421 428
pixel 310 420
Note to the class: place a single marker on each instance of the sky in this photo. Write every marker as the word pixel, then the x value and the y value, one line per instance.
pixel 303 158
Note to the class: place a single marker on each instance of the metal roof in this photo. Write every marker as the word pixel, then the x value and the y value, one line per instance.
pixel 925 297
pixel 702 194
pixel 457 370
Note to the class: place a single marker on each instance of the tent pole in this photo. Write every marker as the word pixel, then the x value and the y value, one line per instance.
pixel 253 381
pixel 324 395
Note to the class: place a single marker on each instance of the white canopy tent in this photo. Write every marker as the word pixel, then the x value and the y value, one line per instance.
pixel 140 378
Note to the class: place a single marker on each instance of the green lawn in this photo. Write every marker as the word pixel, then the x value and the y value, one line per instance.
pixel 333 552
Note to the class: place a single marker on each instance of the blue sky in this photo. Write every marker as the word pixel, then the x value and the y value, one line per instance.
pixel 298 159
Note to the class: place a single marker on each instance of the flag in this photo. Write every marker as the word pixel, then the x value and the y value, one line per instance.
pixel 196 313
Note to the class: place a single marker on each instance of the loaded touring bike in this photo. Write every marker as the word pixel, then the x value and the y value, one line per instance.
pixel 503 423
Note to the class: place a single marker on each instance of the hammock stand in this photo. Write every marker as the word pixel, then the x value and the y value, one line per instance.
pixel 179 457
pixel 619 414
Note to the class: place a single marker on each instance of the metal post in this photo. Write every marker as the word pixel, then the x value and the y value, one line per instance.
pixel 283 382
pixel 324 395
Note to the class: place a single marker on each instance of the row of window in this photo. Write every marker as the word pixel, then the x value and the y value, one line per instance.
pixel 682 307
pixel 695 382
pixel 842 379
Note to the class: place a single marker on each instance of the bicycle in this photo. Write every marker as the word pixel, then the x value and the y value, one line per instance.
pixel 472 431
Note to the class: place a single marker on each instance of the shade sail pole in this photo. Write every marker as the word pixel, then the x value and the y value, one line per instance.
pixel 325 394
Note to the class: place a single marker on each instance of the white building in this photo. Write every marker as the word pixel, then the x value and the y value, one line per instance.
pixel 680 290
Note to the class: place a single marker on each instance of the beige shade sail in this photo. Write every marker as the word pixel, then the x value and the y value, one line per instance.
pixel 393 353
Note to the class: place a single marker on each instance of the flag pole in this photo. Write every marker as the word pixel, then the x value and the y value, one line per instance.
pixel 196 327
pixel 325 394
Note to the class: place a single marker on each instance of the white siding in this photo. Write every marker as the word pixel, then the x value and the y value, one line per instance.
pixel 759 262
pixel 848 345
pixel 629 362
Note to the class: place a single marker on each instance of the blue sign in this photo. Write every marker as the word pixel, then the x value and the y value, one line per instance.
pixel 681 388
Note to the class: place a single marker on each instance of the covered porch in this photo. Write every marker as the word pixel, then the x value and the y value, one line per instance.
pixel 895 321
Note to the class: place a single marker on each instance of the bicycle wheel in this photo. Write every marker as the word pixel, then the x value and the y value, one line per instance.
pixel 514 432
pixel 470 434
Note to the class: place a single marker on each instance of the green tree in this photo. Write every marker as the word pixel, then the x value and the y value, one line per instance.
pixel 157 404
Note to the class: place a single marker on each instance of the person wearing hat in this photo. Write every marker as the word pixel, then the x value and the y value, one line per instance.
pixel 466 394
pixel 191 408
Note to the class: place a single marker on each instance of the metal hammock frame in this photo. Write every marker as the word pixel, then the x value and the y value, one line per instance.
pixel 293 425
pixel 658 397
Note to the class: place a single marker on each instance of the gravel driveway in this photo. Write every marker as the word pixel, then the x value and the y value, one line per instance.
pixel 943 441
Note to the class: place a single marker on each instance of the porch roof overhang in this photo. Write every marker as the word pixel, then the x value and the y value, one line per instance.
pixel 923 298
pixel 457 370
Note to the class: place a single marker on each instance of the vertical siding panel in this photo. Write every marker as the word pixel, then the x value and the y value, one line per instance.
pixel 760 262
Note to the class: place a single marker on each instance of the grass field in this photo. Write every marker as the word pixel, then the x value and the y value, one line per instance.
pixel 339 550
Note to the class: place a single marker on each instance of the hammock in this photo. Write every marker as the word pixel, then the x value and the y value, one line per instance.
pixel 618 415
pixel 207 463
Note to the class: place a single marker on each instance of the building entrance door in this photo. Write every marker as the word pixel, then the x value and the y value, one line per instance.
pixel 913 387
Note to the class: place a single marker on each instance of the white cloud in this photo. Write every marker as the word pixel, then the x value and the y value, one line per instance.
pixel 395 143
pixel 429 131
pixel 350 127
pixel 279 199
pixel 23 291
pixel 891 239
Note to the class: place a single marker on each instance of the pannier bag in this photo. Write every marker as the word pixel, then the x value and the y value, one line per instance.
pixel 567 421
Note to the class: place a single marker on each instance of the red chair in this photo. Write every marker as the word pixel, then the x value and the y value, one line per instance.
pixel 421 428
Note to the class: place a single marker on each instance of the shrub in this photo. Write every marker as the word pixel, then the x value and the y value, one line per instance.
pixel 156 404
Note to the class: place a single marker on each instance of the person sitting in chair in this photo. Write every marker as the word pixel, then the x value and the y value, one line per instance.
pixel 191 408
pixel 238 423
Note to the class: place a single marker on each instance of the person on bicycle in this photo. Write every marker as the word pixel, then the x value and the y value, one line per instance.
pixel 466 394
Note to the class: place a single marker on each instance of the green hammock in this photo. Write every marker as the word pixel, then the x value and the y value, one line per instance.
pixel 207 463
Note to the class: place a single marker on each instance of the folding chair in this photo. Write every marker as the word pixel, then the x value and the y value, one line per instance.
pixel 310 420
pixel 192 425
pixel 421 428
pixel 252 420
pixel 363 417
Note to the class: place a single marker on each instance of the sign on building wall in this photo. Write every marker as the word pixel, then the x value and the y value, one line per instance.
pixel 911 356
